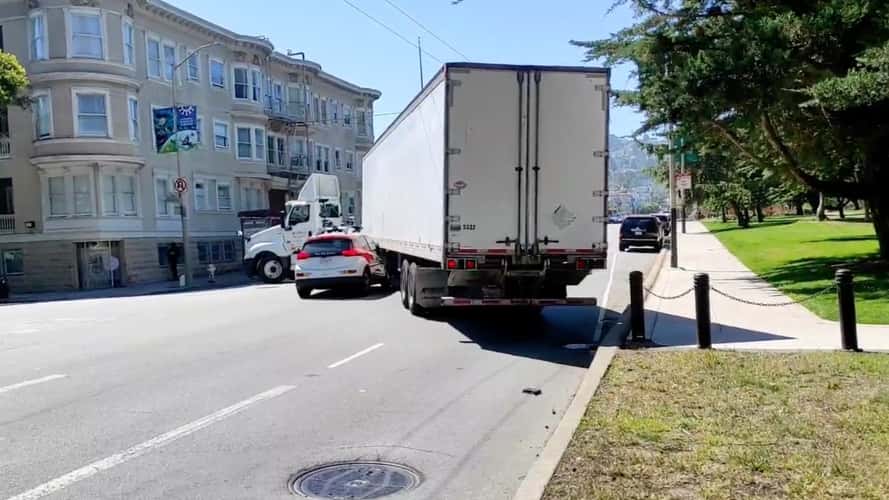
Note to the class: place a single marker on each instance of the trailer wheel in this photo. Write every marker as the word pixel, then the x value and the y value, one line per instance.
pixel 405 271
pixel 415 308
pixel 271 270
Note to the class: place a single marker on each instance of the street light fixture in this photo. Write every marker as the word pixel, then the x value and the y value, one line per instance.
pixel 183 206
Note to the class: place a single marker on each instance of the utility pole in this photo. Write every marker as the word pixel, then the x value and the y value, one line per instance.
pixel 183 205
pixel 674 234
pixel 420 57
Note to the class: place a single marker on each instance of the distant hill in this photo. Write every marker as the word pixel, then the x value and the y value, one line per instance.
pixel 631 189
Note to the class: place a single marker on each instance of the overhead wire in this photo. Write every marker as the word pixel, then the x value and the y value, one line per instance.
pixel 427 30
pixel 391 30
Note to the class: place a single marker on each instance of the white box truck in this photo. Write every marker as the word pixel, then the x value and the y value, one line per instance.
pixel 489 188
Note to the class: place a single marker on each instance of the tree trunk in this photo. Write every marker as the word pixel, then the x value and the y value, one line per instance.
pixel 856 204
pixel 798 204
pixel 819 213
pixel 879 210
pixel 746 216
pixel 760 216
pixel 724 218
pixel 841 207
pixel 812 198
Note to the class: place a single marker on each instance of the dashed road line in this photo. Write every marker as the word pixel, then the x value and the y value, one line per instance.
pixel 356 355
pixel 27 383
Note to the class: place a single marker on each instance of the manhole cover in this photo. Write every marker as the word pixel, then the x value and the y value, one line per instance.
pixel 355 480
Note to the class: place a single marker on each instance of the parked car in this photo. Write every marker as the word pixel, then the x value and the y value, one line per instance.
pixel 337 261
pixel 664 219
pixel 641 231
pixel 615 219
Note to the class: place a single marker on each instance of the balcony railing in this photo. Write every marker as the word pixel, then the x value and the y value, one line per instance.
pixel 7 224
pixel 5 147
pixel 296 166
pixel 286 111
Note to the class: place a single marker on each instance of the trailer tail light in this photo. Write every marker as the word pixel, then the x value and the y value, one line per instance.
pixel 303 255
pixel 470 264
pixel 352 252
pixel 581 265
pixel 453 264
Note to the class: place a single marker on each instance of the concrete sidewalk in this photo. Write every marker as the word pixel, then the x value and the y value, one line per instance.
pixel 736 325
pixel 226 280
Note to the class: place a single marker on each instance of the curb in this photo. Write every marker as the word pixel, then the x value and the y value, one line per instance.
pixel 535 481
pixel 169 291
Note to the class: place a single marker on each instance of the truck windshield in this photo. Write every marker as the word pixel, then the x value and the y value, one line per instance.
pixel 330 210
pixel 299 214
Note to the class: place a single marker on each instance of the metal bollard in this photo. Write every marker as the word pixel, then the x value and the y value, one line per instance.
pixel 702 309
pixel 846 301
pixel 637 307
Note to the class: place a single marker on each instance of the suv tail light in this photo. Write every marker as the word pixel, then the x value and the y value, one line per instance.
pixel 352 252
pixel 303 255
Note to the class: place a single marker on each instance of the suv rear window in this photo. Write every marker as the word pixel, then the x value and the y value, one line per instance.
pixel 647 224
pixel 327 247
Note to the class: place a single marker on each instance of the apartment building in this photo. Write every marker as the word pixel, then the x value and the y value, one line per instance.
pixel 87 201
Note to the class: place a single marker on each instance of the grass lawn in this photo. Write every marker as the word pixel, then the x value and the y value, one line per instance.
pixel 800 256
pixel 721 424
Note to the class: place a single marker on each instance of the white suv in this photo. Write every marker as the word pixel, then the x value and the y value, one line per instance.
pixel 337 260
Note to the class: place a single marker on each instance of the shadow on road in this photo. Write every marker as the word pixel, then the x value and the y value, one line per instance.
pixel 544 336
pixel 376 293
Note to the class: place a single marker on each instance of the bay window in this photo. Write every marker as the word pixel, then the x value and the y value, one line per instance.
pixel 87 35
pixel 244 137
pixel 153 53
pixel 42 108
pixel 91 114
pixel 242 86
pixel 38 42
pixel 129 43
pixel 118 195
pixel 169 61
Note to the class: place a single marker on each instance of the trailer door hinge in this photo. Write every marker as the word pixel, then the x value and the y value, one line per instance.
pixel 454 151
pixel 453 219
pixel 600 154
pixel 602 88
pixel 600 193
pixel 600 218
pixel 454 191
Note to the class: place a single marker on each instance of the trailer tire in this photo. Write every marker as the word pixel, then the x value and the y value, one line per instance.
pixel 271 270
pixel 412 306
pixel 403 274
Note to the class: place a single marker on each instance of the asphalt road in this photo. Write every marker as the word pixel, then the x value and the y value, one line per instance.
pixel 227 393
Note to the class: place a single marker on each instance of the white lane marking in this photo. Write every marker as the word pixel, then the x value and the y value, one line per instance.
pixel 356 355
pixel 24 331
pixel 603 307
pixel 26 383
pixel 94 468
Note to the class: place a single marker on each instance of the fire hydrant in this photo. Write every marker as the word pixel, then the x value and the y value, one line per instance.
pixel 211 270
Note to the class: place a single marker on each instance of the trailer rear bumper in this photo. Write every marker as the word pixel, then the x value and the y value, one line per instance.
pixel 572 301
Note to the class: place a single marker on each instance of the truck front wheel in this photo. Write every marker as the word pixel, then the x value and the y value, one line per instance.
pixel 412 305
pixel 271 270
pixel 403 274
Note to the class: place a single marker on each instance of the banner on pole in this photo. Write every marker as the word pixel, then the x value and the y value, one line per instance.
pixel 168 141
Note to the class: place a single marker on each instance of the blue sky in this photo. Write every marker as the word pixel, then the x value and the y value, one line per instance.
pixel 351 46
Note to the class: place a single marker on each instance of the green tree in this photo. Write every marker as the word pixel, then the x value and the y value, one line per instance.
pixel 798 89
pixel 12 80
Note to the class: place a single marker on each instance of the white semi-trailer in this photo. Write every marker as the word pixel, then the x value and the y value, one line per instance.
pixel 489 189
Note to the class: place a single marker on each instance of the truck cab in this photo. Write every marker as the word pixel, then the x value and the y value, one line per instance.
pixel 267 253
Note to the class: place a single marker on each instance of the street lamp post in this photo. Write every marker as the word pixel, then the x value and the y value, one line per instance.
pixel 183 206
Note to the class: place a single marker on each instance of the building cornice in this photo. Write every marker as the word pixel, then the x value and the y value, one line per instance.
pixel 90 76
pixel 50 161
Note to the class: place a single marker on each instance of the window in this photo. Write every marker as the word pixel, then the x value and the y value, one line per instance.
pixel 162 256
pixel 259 143
pixel 57 198
pixel 281 150
pixel 350 205
pixel 217 73
pixel 347 116
pixel 86 35
pixel 216 251
pixel 109 195
pixel 242 87
pixel 245 143
pixel 37 24
pixel 326 159
pixel 334 107
pixel 82 195
pixel 161 192
pixel 256 85
pixel 316 108
pixel 228 251
pixel 6 200
pixel 200 195
pixel 193 68
pixel 119 195
pixel 251 198
pixel 13 262
pixel 224 195
pixel 169 61
pixel 350 160
pixel 360 122
pixel 324 111
pixel 199 125
pixel 127 194
pixel 129 42
pixel 5 144
pixel 298 153
pixel 154 58
pixel 220 135
pixel 369 122
pixel 278 96
pixel 338 158
pixel 92 115
pixel 133 114
pixel 270 150
pixel 42 107
pixel 318 155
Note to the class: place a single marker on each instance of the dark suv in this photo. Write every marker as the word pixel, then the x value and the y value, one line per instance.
pixel 641 231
